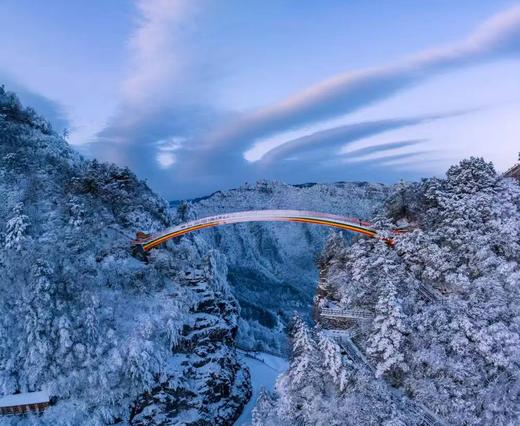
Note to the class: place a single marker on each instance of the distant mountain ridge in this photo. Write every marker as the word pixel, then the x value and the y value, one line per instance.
pixel 176 203
pixel 272 267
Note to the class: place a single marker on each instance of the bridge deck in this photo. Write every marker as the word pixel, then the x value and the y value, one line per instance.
pixel 298 216
pixel 346 313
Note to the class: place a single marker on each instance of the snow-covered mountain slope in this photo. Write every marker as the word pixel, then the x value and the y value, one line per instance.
pixel 112 338
pixel 272 267
pixel 441 341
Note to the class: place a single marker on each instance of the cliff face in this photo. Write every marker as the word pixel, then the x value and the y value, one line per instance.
pixel 111 337
pixel 272 268
pixel 425 331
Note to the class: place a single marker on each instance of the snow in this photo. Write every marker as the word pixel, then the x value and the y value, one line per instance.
pixel 448 359
pixel 264 369
pixel 24 398
pixel 271 265
pixel 81 317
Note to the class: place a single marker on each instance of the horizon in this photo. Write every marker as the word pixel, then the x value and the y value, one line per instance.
pixel 197 97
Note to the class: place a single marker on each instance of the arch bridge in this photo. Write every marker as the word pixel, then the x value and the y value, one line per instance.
pixel 146 242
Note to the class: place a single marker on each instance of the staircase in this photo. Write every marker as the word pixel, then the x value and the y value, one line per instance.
pixel 424 416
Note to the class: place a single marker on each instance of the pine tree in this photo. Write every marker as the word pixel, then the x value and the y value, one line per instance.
pixel 301 388
pixel 16 229
pixel 333 361
pixel 388 328
pixel 334 246
pixel 264 409
pixel 185 212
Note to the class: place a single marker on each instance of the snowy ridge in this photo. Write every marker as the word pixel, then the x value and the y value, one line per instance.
pixel 112 338
pixel 271 265
pixel 443 342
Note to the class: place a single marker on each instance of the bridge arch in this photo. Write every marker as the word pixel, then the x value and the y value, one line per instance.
pixel 146 242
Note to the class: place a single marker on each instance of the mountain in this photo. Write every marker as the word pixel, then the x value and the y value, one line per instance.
pixel 272 269
pixel 422 332
pixel 113 339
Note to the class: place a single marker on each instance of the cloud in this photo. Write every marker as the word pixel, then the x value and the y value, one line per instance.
pixel 49 109
pixel 162 97
pixel 361 153
pixel 344 93
pixel 168 96
pixel 320 163
pixel 404 158
pixel 342 135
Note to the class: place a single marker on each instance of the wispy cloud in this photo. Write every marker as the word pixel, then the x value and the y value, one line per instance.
pixel 167 97
pixel 362 153
pixel 344 93
pixel 342 135
pixel 163 97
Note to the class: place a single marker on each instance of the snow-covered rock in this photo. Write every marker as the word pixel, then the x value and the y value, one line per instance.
pixel 272 268
pixel 111 338
pixel 443 344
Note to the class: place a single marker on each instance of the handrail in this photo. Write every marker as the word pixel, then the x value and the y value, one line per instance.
pixel 346 313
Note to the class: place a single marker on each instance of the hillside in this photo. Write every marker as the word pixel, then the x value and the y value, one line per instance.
pixel 112 338
pixel 426 332
pixel 272 269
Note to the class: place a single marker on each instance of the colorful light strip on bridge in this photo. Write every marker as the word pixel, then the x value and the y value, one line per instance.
pixel 298 216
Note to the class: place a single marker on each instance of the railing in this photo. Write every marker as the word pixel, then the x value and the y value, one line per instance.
pixel 422 413
pixel 355 354
pixel 429 292
pixel 340 333
pixel 346 313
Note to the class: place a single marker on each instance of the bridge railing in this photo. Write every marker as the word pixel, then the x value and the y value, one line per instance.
pixel 262 215
pixel 346 313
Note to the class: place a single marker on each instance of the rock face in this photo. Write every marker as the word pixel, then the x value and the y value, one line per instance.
pixel 272 268
pixel 215 384
pixel 112 338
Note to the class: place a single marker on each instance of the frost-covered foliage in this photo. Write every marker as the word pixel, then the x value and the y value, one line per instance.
pixel 112 338
pixel 263 408
pixel 445 299
pixel 323 387
pixel 271 265
pixel 12 110
pixel 389 328
pixel 15 229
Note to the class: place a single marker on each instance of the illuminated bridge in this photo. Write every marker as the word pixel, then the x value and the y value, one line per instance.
pixel 147 242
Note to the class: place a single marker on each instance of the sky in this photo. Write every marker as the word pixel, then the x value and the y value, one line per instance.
pixel 201 95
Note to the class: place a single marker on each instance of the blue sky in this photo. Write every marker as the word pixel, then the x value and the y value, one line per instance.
pixel 201 95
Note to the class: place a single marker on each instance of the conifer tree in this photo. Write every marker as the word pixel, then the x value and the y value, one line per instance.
pixel 300 389
pixel 16 229
pixel 388 328
pixel 263 411
pixel 333 361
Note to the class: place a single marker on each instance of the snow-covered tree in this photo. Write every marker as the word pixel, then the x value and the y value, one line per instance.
pixel 386 340
pixel 333 361
pixel 263 412
pixel 16 228
pixel 300 389
pixel 112 338
pixel 445 298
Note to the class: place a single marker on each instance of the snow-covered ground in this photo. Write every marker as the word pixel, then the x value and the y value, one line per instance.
pixel 264 368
